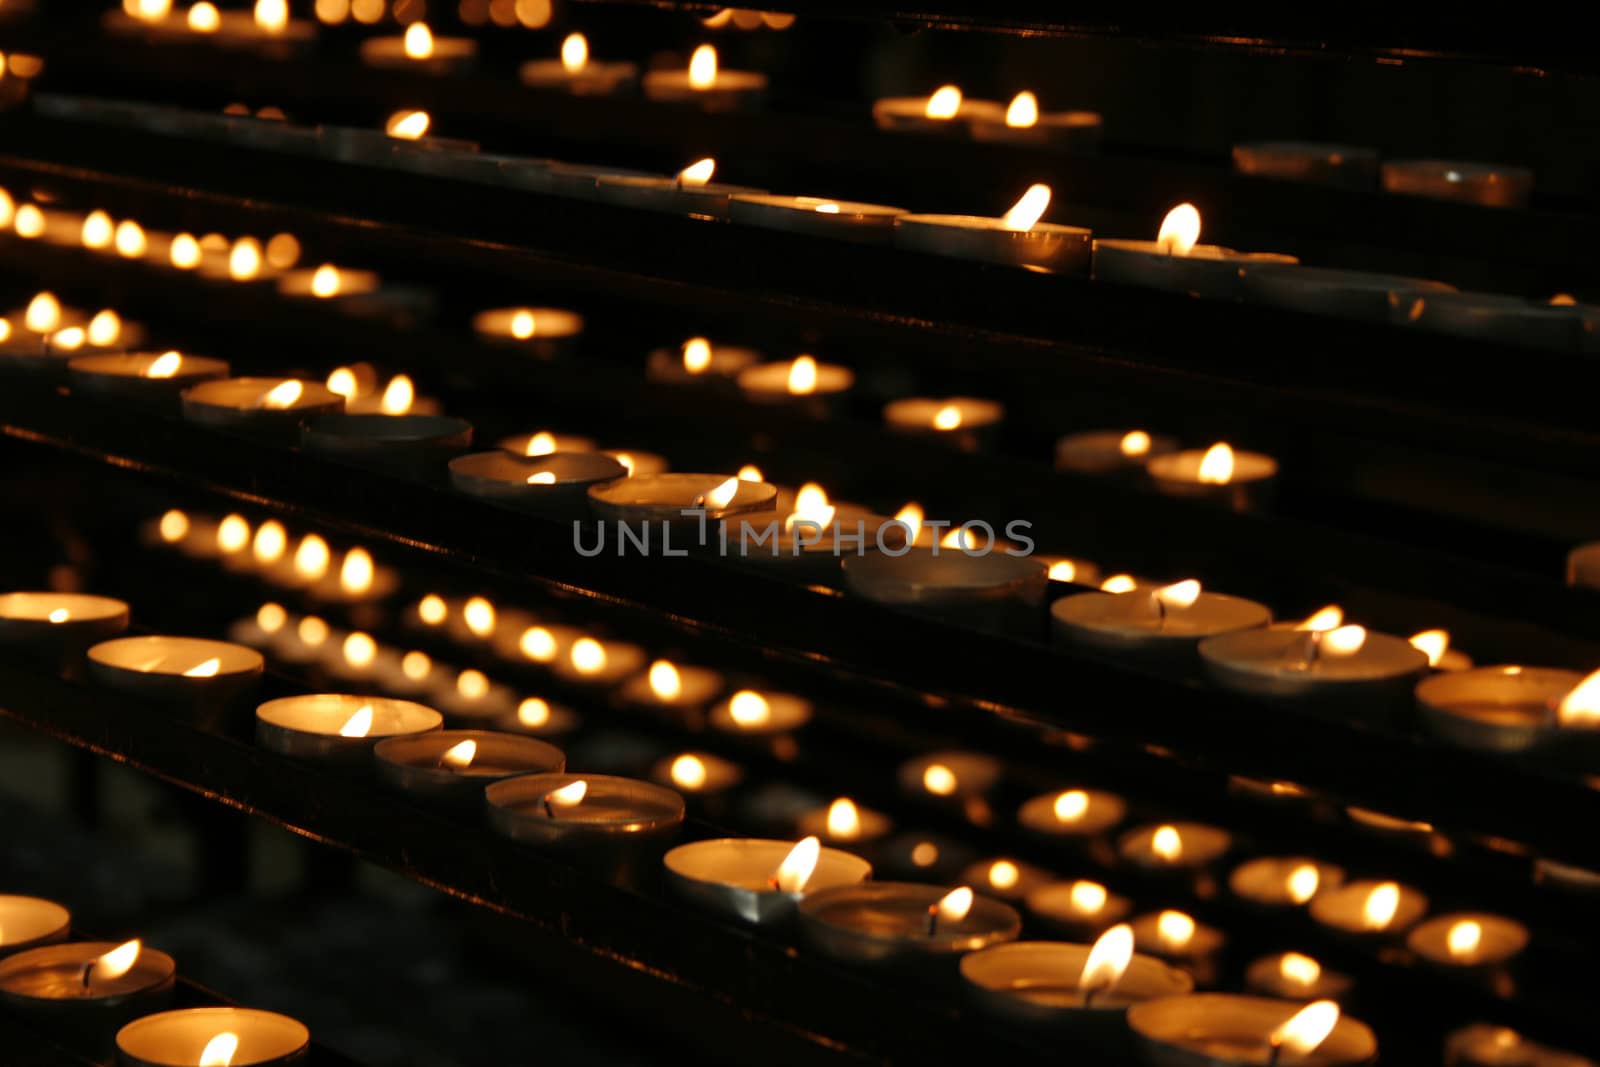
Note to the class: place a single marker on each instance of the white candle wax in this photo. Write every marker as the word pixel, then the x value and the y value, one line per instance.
pixel 842 219
pixel 1137 623
pixel 739 877
pixel 28 922
pixel 180 1038
pixel 1044 245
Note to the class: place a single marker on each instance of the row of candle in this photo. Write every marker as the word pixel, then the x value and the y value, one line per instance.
pixel 1357 167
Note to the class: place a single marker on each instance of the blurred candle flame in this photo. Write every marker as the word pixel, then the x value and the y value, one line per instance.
pixel 947 418
pixel 844 820
pixel 97 230
pixel 688 772
pixel 1087 898
pixel 460 756
pixel 165 365
pixel 1327 618
pixel 944 103
pixel 407 125
pixel 802 376
pixel 398 396
pixel 184 252
pixel 939 779
pixel 1306 1028
pixel 748 708
pixel 588 656
pixel 43 314
pixel 130 239
pixel 1303 882
pixel 1071 805
pixel 116 963
pixel 698 173
pixel 1028 210
pixel 1381 905
pixel 418 41
pixel 1180 230
pixel 105 328
pixel 1463 939
pixel 1167 844
pixel 1581 706
pixel 1023 112
pixel 575 53
pixel 797 867
pixel 272 15
pixel 696 355
pixel 1216 466
pixel 204 18
pixel 1175 929
pixel 533 712
pixel 219 1051
pixel 569 795
pixel 723 494
pixel 479 615
pixel 1107 961
pixel 325 283
pixel 703 67
pixel 359 724
pixel 311 558
pixel 1299 969
pixel 1344 641
pixel 206 669
pixel 356 572
pixel 954 905
pixel 665 681
pixel 58 616
pixel 1135 443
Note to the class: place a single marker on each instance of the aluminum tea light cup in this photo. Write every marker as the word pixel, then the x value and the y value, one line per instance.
pixel 1176 261
pixel 420 444
pixel 674 195
pixel 576 72
pixel 195 1037
pixel 815 216
pixel 944 111
pixel 29 922
pixel 1160 627
pixel 1221 475
pixel 700 363
pixel 989 591
pixel 759 881
pixel 847 824
pixel 538 717
pixel 1004 878
pixel 1016 239
pixel 1484 184
pixel 1110 452
pixel 57 627
pixel 1483 1045
pixel 1495 709
pixel 84 990
pixel 675 692
pixel 589 662
pixel 1052 984
pixel 338 727
pixel 1473 943
pixel 1180 939
pixel 962 422
pixel 1342 165
pixel 681 500
pixel 151 381
pixel 922 928
pixel 802 383
pixel 1295 976
pixel 267 408
pixel 1072 815
pixel 705 86
pixel 617 825
pixel 538 332
pixel 186 672
pixel 1369 909
pixel 1081 908
pixel 1345 294
pixel 751 713
pixel 555 485
pixel 1023 123
pixel 1226 1030
pixel 456 765
pixel 1276 882
pixel 1347 673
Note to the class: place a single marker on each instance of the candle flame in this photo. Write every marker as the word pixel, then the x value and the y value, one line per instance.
pixel 1303 882
pixel 1071 805
pixel 416 665
pixel 184 252
pixel 311 558
pixel 1344 641
pixel 1381 905
pixel 575 53
pixel 1087 898
pixel 961 537
pixel 947 418
pixel 70 340
pixel 748 709
pixel 540 444
pixel 1166 844
pixel 311 631
pixel 523 325
pixel 398 396
pixel 105 328
pixel 283 395
pixel 472 684
pixel 1023 112
pixel 272 15
pixel 665 681
pixel 460 756
pixel 359 724
pixel 803 376
pixel 479 615
pixel 116 963
pixel 1180 230
pixel 538 644
pixel 244 259
pixel 233 533
pixel 750 473
pixel 205 669
pixel 58 615
pixel 271 617
pixel 569 795
pixel 810 505
pixel 954 905
pixel 939 779
pixel 723 494
pixel 542 478
pixel 1135 443
pixel 588 656
pixel 43 314
pixel 944 103
pixel 1063 570
pixel 1108 960
pixel 174 526
pixel 1003 874
pixel 1028 210
pixel 533 712
pixel 1306 1028
pixel 798 866
pixel 1301 970
pixel 844 820
pixel 688 772
pixel 165 365
pixel 925 854
pixel 1179 595
pixel 1328 618
pixel 698 173
pixel 1432 643
pixel 409 125
pixel 1175 929
pixel 911 517
pixel 697 355
pixel 359 649
pixel 148 10
pixel 1463 939
pixel 130 239
pixel 828 208
pixel 356 572
pixel 219 1051
pixel 204 18
pixel 1216 466
pixel 1581 706
pixel 97 230
pixel 325 283
pixel 418 41
pixel 432 610
pixel 270 542
pixel 1119 583
pixel 703 67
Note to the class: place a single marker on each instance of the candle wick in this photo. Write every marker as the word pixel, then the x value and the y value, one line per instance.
pixel 1274 1051
pixel 1312 647
pixel 1090 991
pixel 88 973
pixel 933 919
pixel 549 809
pixel 1161 610
pixel 774 883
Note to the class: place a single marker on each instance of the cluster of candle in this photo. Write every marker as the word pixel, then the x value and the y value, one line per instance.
pixel 1358 167
pixel 1222 474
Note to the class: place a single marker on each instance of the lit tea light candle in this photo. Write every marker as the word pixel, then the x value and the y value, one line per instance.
pixel 87 983
pixel 1295 976
pixel 591 662
pixel 1024 123
pixel 943 776
pixel 680 498
pixel 636 462
pixel 1484 184
pixel 1111 451
pixel 1175 936
pixel 262 629
pixel 945 110
pixel 539 717
pixel 151 380
pixel 1369 908
pixel 616 824
pixel 845 220
pixel 802 381
pixel 988 590
pixel 1225 1030
pixel 752 713
pixel 1498 709
pixel 544 333
pixel 704 84
pixel 338 727
pixel 544 443
pixel 176 670
pixel 904 923
pixel 1435 644
pixel 525 640
pixel 1237 479
pixel 213 1037
pixel 960 420
pixel 846 823
pixel 328 282
pixel 555 485
pixel 307 640
pixel 699 774
pixel 1468 940
pixel 1080 985
pixel 471 697
pixel 29 922
pixel 1482 1045
pixel 1175 261
pixel 1348 669
pixel 757 881
pixel 690 191
pixel 397 397
pixel 356 579
pixel 1342 165
pixel 352 657
pixel 699 362
pixel 456 765
pixel 1004 879
pixel 58 626
pixel 412 442
pixel 1015 239
pixel 418 49
pixel 1161 626
pixel 806 531
pixel 577 72
pixel 1347 294
pixel 668 685
pixel 1064 570
pixel 922 857
pixel 1082 908
pixel 1072 813
pixel 1283 881
pixel 1175 846
pixel 272 408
